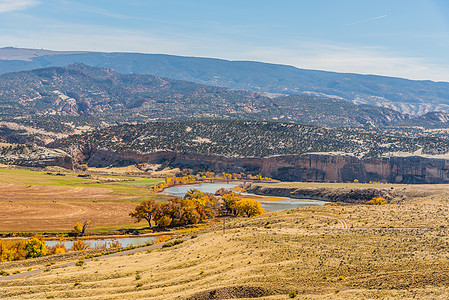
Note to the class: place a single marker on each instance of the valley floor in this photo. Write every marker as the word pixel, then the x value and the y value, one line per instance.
pixel 40 201
pixel 348 252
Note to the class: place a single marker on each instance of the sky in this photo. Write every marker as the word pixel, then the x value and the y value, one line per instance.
pixel 401 38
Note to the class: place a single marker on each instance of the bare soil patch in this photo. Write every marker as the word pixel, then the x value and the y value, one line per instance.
pixel 36 207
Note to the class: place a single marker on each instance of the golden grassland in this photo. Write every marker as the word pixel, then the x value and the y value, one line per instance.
pixel 37 201
pixel 398 250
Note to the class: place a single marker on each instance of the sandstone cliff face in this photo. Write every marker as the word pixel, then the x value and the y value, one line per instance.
pixel 33 156
pixel 307 167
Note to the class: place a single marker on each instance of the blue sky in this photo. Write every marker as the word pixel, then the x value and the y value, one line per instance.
pixel 405 38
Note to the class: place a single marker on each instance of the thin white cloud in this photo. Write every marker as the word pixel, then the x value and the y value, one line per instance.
pixel 303 53
pixel 13 5
pixel 368 20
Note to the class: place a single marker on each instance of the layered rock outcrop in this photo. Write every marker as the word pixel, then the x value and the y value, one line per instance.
pixel 307 167
pixel 33 156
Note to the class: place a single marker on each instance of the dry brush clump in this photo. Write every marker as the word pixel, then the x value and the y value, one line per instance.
pixel 377 201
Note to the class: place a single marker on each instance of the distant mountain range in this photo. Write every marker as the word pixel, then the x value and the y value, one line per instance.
pixel 406 96
pixel 51 98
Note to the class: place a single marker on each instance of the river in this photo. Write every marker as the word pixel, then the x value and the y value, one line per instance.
pixel 99 243
pixel 272 205
pixel 281 203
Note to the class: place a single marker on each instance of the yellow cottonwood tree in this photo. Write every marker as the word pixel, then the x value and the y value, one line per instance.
pixel 249 208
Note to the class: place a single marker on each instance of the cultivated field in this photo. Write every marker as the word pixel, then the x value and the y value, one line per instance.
pixel 37 201
pixel 396 250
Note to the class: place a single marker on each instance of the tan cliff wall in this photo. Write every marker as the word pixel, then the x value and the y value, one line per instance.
pixel 307 167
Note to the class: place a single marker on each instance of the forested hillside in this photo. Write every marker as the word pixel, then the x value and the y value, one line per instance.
pixel 249 139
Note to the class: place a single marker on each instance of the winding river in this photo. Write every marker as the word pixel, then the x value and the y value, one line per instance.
pixel 280 203
pixel 271 205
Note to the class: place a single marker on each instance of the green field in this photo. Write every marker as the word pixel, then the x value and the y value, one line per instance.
pixel 130 186
pixel 38 201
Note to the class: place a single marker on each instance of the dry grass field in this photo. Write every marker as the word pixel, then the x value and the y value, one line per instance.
pixel 398 250
pixel 37 201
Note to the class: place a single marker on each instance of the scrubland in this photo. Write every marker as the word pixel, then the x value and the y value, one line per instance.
pixel 398 250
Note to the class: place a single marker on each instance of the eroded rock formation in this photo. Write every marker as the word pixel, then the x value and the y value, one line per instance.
pixel 307 167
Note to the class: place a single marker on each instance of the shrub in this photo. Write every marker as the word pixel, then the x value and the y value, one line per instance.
pixel 293 294
pixel 139 284
pixel 79 263
pixel 12 250
pixel 115 244
pixel 78 245
pixel 249 207
pixel 163 238
pixel 59 248
pixel 377 201
pixel 35 247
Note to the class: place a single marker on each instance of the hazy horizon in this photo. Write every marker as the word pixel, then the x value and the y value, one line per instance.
pixel 408 39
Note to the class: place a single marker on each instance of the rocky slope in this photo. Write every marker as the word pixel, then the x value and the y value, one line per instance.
pixel 406 96
pixel 306 167
pixel 33 156
pixel 283 151
pixel 97 95
pixel 79 90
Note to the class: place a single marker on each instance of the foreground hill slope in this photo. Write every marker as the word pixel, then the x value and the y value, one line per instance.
pixel 406 96
pixel 344 252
